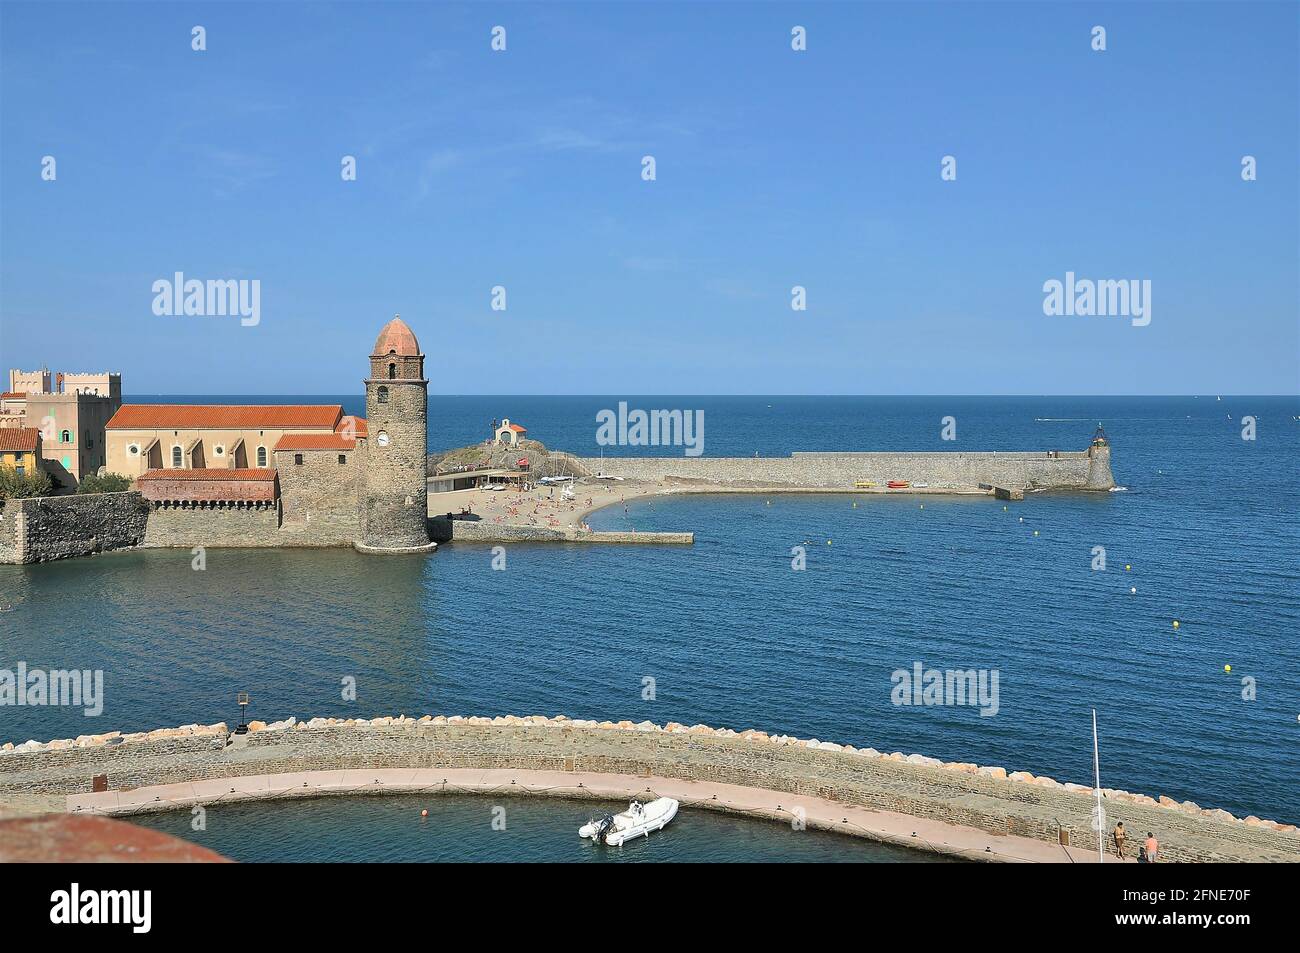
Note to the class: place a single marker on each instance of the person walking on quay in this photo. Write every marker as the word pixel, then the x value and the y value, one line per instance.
pixel 1120 837
pixel 1152 847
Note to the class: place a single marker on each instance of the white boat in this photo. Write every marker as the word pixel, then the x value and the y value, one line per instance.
pixel 568 493
pixel 637 821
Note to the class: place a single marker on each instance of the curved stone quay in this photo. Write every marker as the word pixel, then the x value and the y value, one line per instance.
pixel 961 809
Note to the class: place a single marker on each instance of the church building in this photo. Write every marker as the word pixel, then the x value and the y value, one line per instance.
pixel 288 474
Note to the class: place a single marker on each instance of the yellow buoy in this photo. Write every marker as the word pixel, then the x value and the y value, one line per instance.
pixel 1227 668
pixel 1176 623
pixel 1127 567
pixel 828 542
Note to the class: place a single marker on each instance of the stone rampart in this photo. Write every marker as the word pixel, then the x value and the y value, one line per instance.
pixel 39 529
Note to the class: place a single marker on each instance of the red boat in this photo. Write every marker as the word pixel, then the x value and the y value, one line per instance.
pixel 898 484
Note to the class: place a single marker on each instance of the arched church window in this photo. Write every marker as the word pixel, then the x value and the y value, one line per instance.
pixel 382 394
pixel 261 456
pixel 178 458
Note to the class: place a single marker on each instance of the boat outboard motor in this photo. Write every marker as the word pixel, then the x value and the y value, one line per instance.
pixel 602 825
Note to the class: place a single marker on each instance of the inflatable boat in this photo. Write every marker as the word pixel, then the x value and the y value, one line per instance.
pixel 637 821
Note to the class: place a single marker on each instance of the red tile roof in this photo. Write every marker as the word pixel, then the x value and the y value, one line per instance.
pixel 13 395
pixel 314 441
pixel 247 485
pixel 211 473
pixel 19 439
pixel 225 416
pixel 359 426
pixel 516 428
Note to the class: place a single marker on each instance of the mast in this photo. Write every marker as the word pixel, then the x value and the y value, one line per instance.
pixel 1096 774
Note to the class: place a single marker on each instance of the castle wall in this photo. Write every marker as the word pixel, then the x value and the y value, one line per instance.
pixel 215 525
pixel 319 498
pixel 45 528
pixel 1015 470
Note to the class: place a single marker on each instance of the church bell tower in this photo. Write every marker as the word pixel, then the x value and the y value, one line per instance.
pixel 394 491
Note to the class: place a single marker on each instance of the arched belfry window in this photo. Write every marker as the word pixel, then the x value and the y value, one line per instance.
pixel 382 394
pixel 65 437
pixel 392 372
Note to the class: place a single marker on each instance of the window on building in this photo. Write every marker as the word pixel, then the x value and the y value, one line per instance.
pixel 297 459
pixel 261 456
pixel 20 470
pixel 133 449
pixel 65 437
pixel 178 458
pixel 383 395
pixel 343 458
pixel 392 372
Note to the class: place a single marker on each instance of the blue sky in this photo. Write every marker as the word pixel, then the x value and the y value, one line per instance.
pixel 775 169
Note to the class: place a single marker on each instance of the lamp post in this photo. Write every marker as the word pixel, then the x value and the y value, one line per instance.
pixel 241 699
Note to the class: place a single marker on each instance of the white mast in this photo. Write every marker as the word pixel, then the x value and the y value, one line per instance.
pixel 1096 773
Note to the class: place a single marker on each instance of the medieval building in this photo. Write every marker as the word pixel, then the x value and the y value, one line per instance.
pixel 288 475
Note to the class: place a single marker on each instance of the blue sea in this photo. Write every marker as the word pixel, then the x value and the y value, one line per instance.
pixel 1204 528
pixel 468 828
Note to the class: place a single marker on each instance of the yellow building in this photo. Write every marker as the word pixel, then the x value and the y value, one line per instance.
pixel 20 449
pixel 143 437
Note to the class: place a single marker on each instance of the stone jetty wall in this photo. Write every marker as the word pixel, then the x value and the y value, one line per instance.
pixel 44 528
pixel 986 798
pixel 1082 470
pixel 442 530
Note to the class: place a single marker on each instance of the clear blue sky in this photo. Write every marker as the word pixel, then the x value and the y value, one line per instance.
pixel 775 168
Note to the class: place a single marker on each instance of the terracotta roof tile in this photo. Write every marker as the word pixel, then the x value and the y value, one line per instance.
pixel 359 426
pixel 13 395
pixel 314 441
pixel 225 416
pixel 19 439
pixel 516 428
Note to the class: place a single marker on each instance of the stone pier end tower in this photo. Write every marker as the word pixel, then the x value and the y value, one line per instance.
pixel 394 491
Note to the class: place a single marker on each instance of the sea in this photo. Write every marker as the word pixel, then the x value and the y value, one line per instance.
pixel 1201 530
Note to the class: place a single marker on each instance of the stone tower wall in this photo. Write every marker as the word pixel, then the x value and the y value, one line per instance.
pixel 395 474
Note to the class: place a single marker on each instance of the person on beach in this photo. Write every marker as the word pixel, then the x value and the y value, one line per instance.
pixel 1120 837
pixel 1152 848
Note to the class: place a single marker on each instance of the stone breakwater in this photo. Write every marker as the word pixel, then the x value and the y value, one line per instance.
pixel 988 799
pixel 443 530
pixel 1064 470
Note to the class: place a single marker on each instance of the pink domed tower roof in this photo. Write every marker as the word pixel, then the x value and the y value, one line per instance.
pixel 397 338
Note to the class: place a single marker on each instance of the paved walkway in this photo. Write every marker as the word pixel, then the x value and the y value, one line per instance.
pixel 822 814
